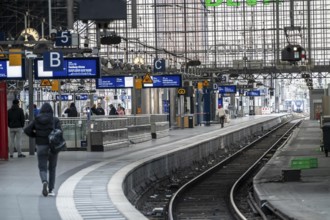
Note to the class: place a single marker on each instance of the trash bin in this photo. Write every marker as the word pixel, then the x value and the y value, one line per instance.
pixel 191 121
pixel 326 137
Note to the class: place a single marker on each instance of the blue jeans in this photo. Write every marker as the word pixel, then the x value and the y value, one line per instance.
pixel 47 161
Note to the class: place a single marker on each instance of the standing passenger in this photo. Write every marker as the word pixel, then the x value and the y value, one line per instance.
pixel 99 109
pixel 93 110
pixel 120 111
pixel 35 110
pixel 119 105
pixel 16 122
pixel 40 128
pixel 112 110
pixel 222 115
pixel 72 110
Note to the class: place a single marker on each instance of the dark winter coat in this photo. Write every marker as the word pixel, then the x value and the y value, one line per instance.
pixel 42 125
pixel 93 111
pixel 72 111
pixel 100 111
pixel 16 117
pixel 113 111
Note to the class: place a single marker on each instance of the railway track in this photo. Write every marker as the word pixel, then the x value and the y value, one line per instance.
pixel 211 195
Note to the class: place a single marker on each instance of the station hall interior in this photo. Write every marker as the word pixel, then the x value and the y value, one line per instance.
pixel 250 57
pixel 172 65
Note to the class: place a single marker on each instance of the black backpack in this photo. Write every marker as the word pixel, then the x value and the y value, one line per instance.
pixel 56 140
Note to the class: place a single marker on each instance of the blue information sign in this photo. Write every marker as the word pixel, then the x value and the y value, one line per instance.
pixel 11 72
pixel 111 82
pixel 87 67
pixel 159 65
pixel 53 61
pixel 82 97
pixel 64 97
pixel 253 93
pixel 165 81
pixel 63 38
pixel 227 89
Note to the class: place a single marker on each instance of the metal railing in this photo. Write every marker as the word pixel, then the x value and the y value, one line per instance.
pixel 75 129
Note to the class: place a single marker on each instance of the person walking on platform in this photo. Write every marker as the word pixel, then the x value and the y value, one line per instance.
pixel 112 110
pixel 16 122
pixel 99 109
pixel 221 115
pixel 72 111
pixel 40 128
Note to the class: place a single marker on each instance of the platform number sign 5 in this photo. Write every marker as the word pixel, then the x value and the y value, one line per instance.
pixel 63 38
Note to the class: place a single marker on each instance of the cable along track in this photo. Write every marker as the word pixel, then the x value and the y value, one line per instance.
pixel 210 195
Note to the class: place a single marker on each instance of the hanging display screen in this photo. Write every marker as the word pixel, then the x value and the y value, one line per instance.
pixel 11 72
pixel 87 67
pixel 253 93
pixel 227 89
pixel 164 81
pixel 82 97
pixel 64 97
pixel 112 82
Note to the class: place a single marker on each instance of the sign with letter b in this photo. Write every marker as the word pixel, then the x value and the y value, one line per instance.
pixel 53 61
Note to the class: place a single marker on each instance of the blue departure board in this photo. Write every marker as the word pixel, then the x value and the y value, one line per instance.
pixel 253 93
pixel 227 89
pixel 11 72
pixel 165 81
pixel 82 97
pixel 112 82
pixel 64 97
pixel 87 67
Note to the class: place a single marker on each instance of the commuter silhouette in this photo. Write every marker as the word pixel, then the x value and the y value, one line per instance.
pixel 99 109
pixel 112 110
pixel 93 110
pixel 222 115
pixel 120 110
pixel 16 122
pixel 72 110
pixel 35 110
pixel 40 128
pixel 119 105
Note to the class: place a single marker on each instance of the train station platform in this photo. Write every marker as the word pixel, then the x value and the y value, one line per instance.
pixel 303 197
pixel 84 179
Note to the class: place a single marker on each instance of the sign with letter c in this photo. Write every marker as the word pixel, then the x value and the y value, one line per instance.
pixel 159 65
